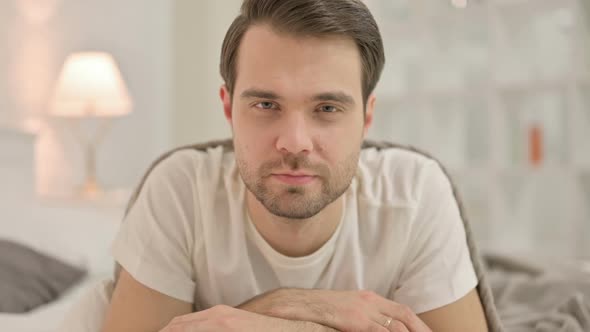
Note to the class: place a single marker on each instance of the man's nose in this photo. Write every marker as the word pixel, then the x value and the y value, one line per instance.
pixel 294 135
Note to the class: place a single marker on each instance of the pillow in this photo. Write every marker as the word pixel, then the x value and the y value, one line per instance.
pixel 29 278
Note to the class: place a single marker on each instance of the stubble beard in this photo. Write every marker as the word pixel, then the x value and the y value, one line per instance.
pixel 298 201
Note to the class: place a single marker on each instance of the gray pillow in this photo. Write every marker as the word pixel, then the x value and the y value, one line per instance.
pixel 29 278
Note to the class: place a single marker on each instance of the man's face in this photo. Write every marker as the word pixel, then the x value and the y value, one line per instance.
pixel 297 119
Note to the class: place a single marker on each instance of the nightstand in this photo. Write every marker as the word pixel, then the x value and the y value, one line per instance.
pixel 110 203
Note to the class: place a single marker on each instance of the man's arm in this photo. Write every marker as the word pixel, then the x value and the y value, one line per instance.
pixel 341 310
pixel 137 308
pixel 222 318
pixel 465 314
pixel 350 310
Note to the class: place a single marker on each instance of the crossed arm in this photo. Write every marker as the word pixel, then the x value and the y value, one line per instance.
pixel 135 307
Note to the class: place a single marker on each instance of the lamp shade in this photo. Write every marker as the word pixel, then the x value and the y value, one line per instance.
pixel 90 84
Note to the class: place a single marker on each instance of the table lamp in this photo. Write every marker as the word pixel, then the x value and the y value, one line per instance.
pixel 90 87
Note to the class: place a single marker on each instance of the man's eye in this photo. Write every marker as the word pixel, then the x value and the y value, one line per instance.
pixel 328 109
pixel 266 105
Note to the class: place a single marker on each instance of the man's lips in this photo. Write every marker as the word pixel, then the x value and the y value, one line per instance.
pixel 293 174
pixel 294 178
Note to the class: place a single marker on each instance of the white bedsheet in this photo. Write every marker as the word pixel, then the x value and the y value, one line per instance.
pixel 48 317
pixel 534 294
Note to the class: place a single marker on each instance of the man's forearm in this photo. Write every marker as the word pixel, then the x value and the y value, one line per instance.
pixel 292 304
pixel 273 304
pixel 291 325
pixel 340 310
pixel 230 319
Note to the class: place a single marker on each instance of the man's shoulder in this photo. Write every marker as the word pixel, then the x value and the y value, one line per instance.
pixel 393 175
pixel 192 163
pixel 394 156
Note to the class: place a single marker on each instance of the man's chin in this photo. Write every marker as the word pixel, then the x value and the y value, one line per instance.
pixel 293 215
pixel 293 210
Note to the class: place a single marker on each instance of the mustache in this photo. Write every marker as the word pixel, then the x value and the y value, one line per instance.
pixel 293 162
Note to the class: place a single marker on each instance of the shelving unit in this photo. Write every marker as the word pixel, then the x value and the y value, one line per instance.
pixel 468 85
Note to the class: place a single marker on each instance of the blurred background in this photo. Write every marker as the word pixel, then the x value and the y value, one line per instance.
pixel 499 90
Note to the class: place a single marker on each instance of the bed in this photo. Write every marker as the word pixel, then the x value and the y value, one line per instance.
pixel 540 294
pixel 76 235
pixel 48 317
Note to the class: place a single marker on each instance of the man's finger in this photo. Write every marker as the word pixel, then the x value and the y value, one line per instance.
pixel 192 317
pixel 397 326
pixel 389 323
pixel 403 314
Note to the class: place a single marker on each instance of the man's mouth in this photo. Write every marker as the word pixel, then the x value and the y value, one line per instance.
pixel 294 178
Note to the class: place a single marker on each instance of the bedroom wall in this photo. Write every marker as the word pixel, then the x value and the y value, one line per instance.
pixel 199 28
pixel 35 38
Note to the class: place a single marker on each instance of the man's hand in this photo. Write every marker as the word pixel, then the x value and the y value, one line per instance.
pixel 223 318
pixel 341 310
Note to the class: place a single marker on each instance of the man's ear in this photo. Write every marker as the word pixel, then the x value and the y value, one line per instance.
pixel 226 101
pixel 370 108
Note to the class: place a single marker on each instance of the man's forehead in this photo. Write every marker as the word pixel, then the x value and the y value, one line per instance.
pixel 276 62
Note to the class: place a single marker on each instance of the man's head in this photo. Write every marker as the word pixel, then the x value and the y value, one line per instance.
pixel 304 18
pixel 299 76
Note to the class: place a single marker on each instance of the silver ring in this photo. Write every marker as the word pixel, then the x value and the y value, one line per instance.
pixel 386 324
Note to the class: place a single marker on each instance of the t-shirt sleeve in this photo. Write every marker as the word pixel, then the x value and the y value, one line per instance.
pixel 156 239
pixel 438 268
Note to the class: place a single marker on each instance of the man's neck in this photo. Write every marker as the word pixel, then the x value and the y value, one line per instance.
pixel 295 237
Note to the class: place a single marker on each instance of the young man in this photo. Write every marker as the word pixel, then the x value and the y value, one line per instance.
pixel 296 228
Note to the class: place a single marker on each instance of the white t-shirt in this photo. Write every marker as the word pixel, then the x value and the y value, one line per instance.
pixel 189 236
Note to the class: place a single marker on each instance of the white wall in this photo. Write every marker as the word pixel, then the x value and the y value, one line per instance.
pixel 35 38
pixel 199 28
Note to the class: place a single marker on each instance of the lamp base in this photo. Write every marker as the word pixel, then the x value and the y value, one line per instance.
pixel 90 189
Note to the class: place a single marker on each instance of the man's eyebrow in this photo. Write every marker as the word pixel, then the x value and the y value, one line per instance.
pixel 257 93
pixel 337 96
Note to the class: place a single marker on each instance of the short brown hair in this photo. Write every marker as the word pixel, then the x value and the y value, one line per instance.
pixel 349 18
